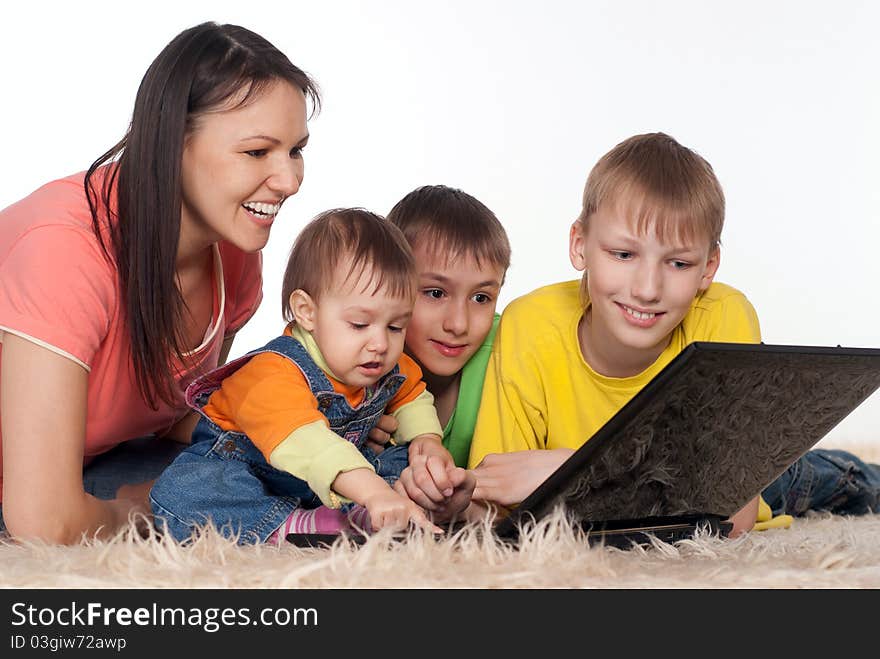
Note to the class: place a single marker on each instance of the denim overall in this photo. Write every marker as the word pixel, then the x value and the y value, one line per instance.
pixel 223 478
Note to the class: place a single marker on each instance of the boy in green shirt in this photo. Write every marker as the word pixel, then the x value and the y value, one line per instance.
pixel 462 254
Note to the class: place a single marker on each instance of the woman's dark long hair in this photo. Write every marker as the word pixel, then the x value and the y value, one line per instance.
pixel 200 70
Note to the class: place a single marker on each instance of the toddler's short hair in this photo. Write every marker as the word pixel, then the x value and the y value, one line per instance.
pixel 654 179
pixel 453 222
pixel 368 241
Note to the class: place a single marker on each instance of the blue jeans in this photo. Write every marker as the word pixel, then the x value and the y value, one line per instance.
pixel 135 461
pixel 826 480
pixel 222 478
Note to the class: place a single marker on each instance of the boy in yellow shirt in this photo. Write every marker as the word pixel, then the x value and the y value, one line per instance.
pixel 568 356
pixel 281 445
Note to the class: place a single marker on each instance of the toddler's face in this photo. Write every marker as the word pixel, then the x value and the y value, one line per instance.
pixel 640 289
pixel 359 332
pixel 453 313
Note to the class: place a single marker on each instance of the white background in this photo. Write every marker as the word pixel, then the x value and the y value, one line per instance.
pixel 514 102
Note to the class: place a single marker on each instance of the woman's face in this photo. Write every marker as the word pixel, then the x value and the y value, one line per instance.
pixel 239 165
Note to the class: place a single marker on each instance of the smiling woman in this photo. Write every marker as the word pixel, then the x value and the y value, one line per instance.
pixel 118 286
pixel 234 179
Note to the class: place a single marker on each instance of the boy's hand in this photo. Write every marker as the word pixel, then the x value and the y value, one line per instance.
pixel 455 505
pixel 429 482
pixel 433 481
pixel 744 520
pixel 381 433
pixel 508 478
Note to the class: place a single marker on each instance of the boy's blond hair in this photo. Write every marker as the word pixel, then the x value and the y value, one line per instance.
pixel 453 223
pixel 655 181
pixel 364 241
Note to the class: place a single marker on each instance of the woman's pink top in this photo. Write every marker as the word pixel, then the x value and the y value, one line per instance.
pixel 58 290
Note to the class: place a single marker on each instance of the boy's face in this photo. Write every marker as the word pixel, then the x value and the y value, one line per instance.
pixel 360 334
pixel 640 289
pixel 453 311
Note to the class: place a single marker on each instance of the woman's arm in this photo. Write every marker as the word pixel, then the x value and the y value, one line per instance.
pixel 43 400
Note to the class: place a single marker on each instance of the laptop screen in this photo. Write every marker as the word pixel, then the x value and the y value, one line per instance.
pixel 708 433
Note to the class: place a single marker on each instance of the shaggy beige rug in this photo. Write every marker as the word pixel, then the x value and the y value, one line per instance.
pixel 819 551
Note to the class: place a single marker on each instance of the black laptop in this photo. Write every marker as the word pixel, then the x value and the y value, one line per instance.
pixel 714 428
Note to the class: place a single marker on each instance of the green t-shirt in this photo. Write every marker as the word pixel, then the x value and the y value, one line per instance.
pixel 460 429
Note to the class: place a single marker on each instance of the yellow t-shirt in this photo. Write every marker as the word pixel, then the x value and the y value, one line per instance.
pixel 539 391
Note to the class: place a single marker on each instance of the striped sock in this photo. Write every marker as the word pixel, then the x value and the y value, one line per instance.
pixel 315 520
pixel 359 519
